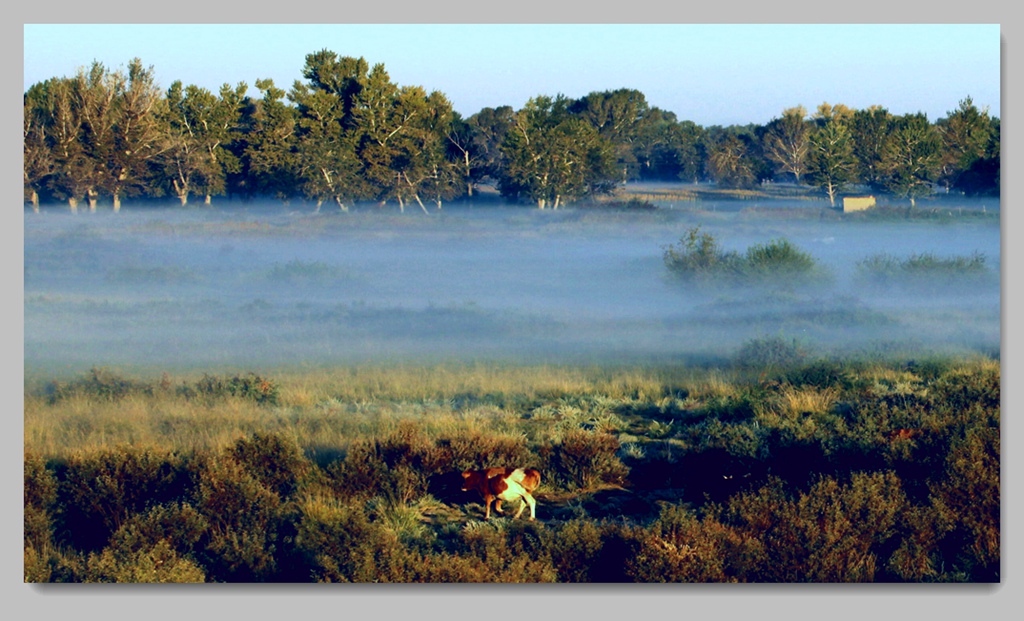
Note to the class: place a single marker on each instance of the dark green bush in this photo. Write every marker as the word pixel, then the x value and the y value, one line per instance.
pixel 699 257
pixel 276 462
pixel 100 490
pixel 40 494
pixel 100 383
pixel 248 386
pixel 244 516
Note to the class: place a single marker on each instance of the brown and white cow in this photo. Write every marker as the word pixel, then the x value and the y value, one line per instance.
pixel 498 484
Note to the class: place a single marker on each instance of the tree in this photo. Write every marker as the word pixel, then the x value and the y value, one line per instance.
pixel 199 127
pixel 830 161
pixel 618 116
pixel 870 129
pixel 73 170
pixel 37 163
pixel 137 134
pixel 965 134
pixel 911 157
pixel 325 156
pixel 786 142
pixel 270 150
pixel 729 163
pixel 553 157
pixel 487 130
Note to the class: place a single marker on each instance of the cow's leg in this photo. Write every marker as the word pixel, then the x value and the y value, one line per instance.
pixel 497 506
pixel 487 504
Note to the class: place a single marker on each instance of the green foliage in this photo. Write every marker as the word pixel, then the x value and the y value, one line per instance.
pixel 100 383
pixel 248 386
pixel 924 271
pixel 585 459
pixel 274 461
pixel 100 490
pixel 243 516
pixel 770 354
pixel 824 471
pixel 699 259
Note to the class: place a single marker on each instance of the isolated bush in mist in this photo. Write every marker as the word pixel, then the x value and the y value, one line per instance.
pixel 770 354
pixel 699 259
pixel 924 271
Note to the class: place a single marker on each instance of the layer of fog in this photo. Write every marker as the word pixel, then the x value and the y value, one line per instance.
pixel 252 287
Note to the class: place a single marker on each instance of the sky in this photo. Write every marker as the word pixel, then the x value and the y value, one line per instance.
pixel 711 74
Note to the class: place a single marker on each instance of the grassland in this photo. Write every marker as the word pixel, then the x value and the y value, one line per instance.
pixel 780 466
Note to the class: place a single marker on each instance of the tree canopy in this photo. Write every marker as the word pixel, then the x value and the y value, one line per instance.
pixel 347 133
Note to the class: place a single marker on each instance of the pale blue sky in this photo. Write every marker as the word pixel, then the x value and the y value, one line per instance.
pixel 710 74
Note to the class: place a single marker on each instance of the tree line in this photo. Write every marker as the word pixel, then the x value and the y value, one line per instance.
pixel 347 133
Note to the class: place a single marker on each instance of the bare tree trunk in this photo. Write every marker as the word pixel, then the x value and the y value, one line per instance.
pixel 417 197
pixel 91 196
pixel 209 199
pixel 73 204
pixel 116 198
pixel 337 199
pixel 34 199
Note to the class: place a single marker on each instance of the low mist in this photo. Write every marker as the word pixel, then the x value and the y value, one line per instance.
pixel 260 286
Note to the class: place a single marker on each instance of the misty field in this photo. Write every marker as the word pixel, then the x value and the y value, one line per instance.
pixel 260 393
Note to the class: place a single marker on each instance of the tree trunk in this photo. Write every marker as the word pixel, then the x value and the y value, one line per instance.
pixel 34 199
pixel 91 196
pixel 422 206
pixel 208 200
pixel 116 198
pixel 73 204
pixel 337 199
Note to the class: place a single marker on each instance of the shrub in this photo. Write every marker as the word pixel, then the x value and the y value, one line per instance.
pixel 99 491
pixel 338 542
pixel 699 257
pixel 158 563
pixel 777 260
pixel 584 459
pixel 275 462
pixel 243 515
pixel 770 354
pixel 40 494
pixel 924 271
pixel 100 383
pixel 249 386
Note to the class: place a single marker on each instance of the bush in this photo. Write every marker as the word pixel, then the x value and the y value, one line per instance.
pixel 275 462
pixel 777 260
pixel 250 386
pixel 101 384
pixel 924 271
pixel 40 494
pixel 770 354
pixel 243 515
pixel 699 258
pixel 99 491
pixel 585 459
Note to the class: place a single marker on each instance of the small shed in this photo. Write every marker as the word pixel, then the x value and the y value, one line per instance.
pixel 857 203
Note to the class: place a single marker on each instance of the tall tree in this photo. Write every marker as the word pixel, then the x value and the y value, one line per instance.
pixel 619 116
pixel 199 127
pixel 870 129
pixel 730 163
pixel 37 163
pixel 911 157
pixel 270 150
pixel 965 134
pixel 786 142
pixel 830 161
pixel 553 157
pixel 74 172
pixel 137 134
pixel 487 130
